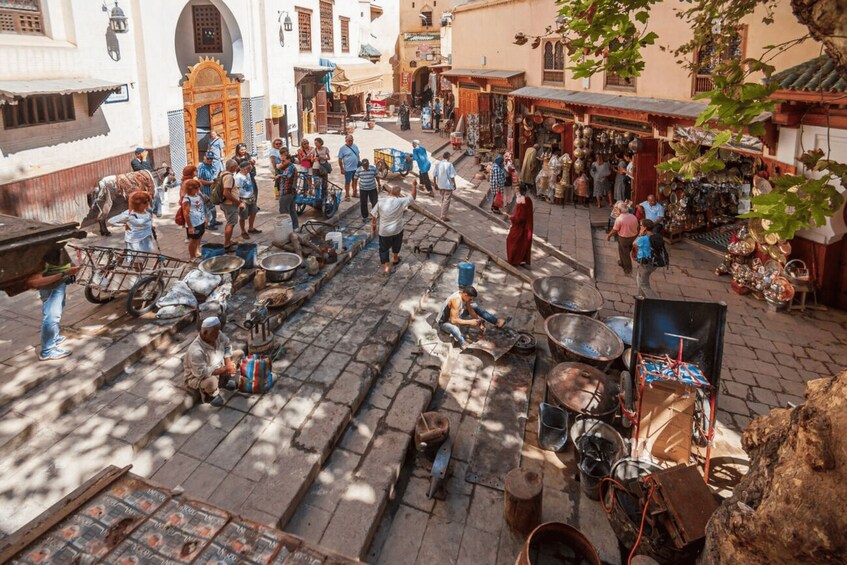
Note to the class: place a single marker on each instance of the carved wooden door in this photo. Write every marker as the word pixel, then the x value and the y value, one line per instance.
pixel 321 109
pixel 207 84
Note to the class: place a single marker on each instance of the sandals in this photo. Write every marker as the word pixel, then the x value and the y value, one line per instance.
pixel 254 230
pixel 397 262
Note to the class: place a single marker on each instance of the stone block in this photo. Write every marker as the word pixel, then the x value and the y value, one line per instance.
pixel 332 480
pixel 594 524
pixel 427 377
pixel 282 490
pixel 441 542
pixel 203 481
pixel 233 447
pixel 361 430
pixel 329 369
pixel 353 525
pixel 300 406
pixel 352 386
pixel 306 362
pixel 478 546
pixel 486 510
pixel 232 492
pixel 404 537
pixel 203 442
pixel 382 463
pixel 176 470
pixel 309 523
pixel 409 402
pixel 374 354
pixel 257 461
pixel 323 428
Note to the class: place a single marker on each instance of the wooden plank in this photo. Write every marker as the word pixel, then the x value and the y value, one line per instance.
pixel 18 541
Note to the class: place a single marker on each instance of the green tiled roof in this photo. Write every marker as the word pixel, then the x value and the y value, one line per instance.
pixel 367 51
pixel 818 75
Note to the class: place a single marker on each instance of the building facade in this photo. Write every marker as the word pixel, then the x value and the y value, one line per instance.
pixel 82 84
pixel 515 96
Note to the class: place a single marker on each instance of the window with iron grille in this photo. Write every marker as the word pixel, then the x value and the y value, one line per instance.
pixel 207 29
pixel 304 29
pixel 39 110
pixel 345 34
pixel 327 40
pixel 616 82
pixel 554 62
pixel 21 16
pixel 426 19
pixel 709 57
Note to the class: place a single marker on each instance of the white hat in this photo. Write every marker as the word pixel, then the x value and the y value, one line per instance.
pixel 211 322
pixel 416 142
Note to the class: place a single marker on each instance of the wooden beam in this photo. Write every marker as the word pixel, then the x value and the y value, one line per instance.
pixel 825 98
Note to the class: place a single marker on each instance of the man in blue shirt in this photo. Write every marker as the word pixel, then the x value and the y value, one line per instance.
pixel 653 211
pixel 207 172
pixel 348 162
pixel 368 187
pixel 216 146
pixel 420 157
pixel 643 251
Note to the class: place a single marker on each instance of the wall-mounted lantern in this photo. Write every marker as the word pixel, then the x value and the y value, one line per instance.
pixel 118 22
pixel 286 25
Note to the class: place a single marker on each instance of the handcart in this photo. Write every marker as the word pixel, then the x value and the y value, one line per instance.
pixel 670 399
pixel 392 161
pixel 311 192
pixel 106 272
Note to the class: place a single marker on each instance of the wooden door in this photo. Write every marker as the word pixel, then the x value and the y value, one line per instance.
pixel 644 181
pixel 321 110
pixel 207 84
pixel 485 131
pixel 468 102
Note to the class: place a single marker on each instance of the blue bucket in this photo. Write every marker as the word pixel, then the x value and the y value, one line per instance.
pixel 208 250
pixel 247 251
pixel 466 273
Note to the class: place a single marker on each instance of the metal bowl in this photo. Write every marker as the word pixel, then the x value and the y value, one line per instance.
pixel 221 265
pixel 560 295
pixel 280 267
pixel 585 340
pixel 621 325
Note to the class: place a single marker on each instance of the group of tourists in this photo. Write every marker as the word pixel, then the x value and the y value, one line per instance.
pixel 639 237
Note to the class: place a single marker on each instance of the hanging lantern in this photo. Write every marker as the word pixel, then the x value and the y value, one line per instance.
pixel 636 145
pixel 118 21
pixel 578 165
pixel 579 142
pixel 579 152
pixel 587 131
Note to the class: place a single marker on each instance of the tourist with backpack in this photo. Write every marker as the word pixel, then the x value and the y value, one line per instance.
pixel 648 251
pixel 224 192
pixel 207 172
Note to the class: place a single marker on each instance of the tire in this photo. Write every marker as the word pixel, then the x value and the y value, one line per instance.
pixel 330 204
pixel 97 296
pixel 382 169
pixel 405 172
pixel 628 400
pixel 143 295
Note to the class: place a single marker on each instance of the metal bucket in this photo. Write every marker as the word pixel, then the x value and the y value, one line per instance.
pixel 209 250
pixel 555 543
pixel 557 295
pixel 578 338
pixel 247 251
pixel 599 446
pixel 552 427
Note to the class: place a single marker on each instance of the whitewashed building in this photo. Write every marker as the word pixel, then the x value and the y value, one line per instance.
pixel 82 83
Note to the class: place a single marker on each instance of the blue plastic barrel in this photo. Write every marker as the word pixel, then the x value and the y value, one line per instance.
pixel 466 273
pixel 247 251
pixel 211 250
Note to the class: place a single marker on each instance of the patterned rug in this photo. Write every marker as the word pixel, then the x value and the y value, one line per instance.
pixel 717 238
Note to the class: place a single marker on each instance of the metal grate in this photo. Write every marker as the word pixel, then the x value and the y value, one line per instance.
pixel 21 17
pixel 327 39
pixel 554 62
pixel 207 29
pixel 304 25
pixel 615 81
pixel 176 131
pixel 39 110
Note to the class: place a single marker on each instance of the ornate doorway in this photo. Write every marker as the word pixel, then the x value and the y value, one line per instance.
pixel 210 95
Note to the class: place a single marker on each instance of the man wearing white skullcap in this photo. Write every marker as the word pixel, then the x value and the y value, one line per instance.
pixel 210 362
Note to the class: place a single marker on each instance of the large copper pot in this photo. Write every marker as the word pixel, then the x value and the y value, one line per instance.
pixel 558 538
pixel 580 185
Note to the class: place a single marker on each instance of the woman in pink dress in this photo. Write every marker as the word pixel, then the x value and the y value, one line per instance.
pixel 519 240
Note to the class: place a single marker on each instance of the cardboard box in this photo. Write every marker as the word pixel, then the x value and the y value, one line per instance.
pixel 667 414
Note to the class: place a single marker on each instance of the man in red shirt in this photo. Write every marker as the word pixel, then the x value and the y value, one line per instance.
pixel 626 228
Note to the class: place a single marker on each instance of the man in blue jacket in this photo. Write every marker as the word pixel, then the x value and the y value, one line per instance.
pixel 421 158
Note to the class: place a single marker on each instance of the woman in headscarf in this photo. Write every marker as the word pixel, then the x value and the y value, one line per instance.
pixel 403 112
pixel 138 223
pixel 519 240
pixel 241 153
pixel 497 180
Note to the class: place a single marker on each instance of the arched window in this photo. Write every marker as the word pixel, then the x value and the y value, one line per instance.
pixel 554 62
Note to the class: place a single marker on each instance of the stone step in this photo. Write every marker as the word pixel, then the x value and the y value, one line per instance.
pixel 344 506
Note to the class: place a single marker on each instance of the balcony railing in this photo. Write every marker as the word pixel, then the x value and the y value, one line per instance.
pixel 703 83
pixel 557 77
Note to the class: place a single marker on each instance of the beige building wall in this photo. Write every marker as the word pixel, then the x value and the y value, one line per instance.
pixel 662 76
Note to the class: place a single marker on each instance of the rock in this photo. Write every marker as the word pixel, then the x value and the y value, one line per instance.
pixel 789 507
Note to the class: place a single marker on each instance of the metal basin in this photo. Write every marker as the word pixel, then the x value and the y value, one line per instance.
pixel 221 265
pixel 621 325
pixel 280 267
pixel 583 390
pixel 585 340
pixel 557 295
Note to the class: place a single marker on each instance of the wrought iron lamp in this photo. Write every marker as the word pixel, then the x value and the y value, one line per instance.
pixel 287 25
pixel 118 22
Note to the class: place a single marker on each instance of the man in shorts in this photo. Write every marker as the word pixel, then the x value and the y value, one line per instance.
pixel 247 194
pixel 348 162
pixel 232 203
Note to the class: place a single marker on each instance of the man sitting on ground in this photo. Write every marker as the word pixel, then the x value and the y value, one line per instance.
pixel 210 362
pixel 460 310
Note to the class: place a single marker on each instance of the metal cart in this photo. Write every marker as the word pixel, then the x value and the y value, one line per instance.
pixel 311 192
pixel 392 161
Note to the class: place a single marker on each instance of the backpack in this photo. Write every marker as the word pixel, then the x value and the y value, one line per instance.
pixel 216 195
pixel 659 252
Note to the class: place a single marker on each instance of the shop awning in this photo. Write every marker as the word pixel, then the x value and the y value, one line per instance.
pixel 356 78
pixel 482 73
pixel 98 90
pixel 654 106
pixel 368 51
pixel 312 72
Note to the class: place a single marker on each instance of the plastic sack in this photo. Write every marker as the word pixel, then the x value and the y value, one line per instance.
pixel 170 312
pixel 202 283
pixel 221 294
pixel 178 295
pixel 211 308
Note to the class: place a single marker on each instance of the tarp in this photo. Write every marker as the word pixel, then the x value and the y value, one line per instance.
pixel 356 78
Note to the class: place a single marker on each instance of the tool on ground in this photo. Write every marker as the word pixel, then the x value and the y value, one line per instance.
pixel 431 430
pixel 428 248
pixel 258 324
pixel 440 467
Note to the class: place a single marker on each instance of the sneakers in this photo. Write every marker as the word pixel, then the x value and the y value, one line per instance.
pixel 54 355
pixel 217 401
pixel 60 340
